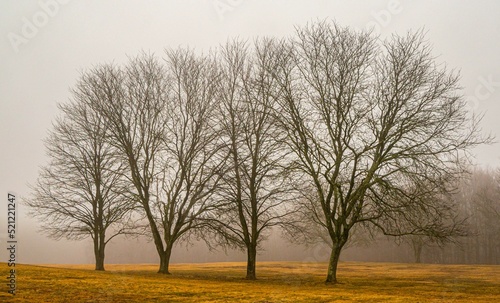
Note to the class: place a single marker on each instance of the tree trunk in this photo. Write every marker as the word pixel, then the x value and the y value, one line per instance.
pixel 165 260
pixel 331 276
pixel 99 246
pixel 251 260
pixel 417 250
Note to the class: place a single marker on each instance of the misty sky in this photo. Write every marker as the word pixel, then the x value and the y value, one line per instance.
pixel 45 44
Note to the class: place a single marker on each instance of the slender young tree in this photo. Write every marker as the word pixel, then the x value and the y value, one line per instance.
pixel 255 190
pixel 192 164
pixel 377 130
pixel 81 192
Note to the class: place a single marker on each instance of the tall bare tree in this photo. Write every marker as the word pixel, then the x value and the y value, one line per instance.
pixel 159 115
pixel 256 186
pixel 192 162
pixel 376 129
pixel 134 112
pixel 81 192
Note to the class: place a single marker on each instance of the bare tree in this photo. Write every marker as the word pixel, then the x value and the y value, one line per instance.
pixel 479 200
pixel 134 112
pixel 159 116
pixel 81 192
pixel 454 223
pixel 192 163
pixel 417 242
pixel 376 130
pixel 476 200
pixel 256 186
pixel 487 202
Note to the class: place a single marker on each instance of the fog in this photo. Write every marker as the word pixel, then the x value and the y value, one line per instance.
pixel 123 250
pixel 46 44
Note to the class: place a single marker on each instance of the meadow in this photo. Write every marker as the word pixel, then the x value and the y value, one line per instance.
pixel 277 282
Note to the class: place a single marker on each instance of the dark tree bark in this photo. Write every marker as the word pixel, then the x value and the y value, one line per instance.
pixel 165 260
pixel 99 246
pixel 333 262
pixel 251 262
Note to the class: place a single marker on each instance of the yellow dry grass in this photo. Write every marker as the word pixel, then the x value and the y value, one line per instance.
pixel 278 282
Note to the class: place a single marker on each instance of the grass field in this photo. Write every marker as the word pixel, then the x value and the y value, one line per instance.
pixel 278 282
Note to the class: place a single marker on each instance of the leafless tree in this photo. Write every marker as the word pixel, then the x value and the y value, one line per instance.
pixel 134 112
pixel 377 129
pixel 454 223
pixel 192 163
pixel 159 115
pixel 256 188
pixel 81 192
pixel 479 200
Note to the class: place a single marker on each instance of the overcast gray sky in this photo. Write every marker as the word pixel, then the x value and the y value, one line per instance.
pixel 45 44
